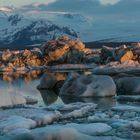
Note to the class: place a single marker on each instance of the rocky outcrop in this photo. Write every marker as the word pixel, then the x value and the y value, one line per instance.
pixel 88 86
pixel 127 56
pixel 121 54
pixel 20 59
pixel 64 50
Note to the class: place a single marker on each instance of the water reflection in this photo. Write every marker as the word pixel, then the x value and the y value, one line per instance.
pixel 27 77
pixel 105 103
pixel 26 83
pixel 49 97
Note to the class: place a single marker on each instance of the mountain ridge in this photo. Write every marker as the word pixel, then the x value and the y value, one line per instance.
pixel 17 30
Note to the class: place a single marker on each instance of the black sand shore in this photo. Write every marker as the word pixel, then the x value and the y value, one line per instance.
pixel 95 44
pixel 109 44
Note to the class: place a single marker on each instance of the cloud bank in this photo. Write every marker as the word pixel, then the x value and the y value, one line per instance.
pixel 109 2
pixel 19 3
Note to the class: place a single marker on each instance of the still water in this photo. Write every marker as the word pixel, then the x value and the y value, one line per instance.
pixel 26 85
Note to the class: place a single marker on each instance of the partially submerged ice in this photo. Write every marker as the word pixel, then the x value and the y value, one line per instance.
pixel 89 86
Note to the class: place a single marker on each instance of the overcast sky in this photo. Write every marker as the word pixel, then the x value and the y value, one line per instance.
pixel 18 3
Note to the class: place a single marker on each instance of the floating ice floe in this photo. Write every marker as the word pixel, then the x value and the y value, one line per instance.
pixel 29 117
pixel 126 108
pixel 16 122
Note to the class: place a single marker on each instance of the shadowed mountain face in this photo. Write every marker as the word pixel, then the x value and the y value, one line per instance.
pixel 91 20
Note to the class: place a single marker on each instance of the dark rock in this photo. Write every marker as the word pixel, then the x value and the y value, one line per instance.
pixel 121 54
pixel 58 86
pixel 93 59
pixel 63 50
pixel 48 96
pixel 47 81
pixel 107 53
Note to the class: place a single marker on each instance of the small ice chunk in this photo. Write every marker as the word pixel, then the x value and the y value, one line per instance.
pixel 136 125
pixel 48 118
pixel 16 122
pixel 126 108
pixel 102 117
pixel 71 107
pixel 80 112
pixel 19 131
pixel 120 123
pixel 73 129
pixel 92 128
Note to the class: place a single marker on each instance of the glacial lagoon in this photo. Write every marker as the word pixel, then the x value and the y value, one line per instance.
pixel 52 115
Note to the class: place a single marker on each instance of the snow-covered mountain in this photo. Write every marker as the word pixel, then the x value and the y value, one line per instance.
pixel 102 20
pixel 90 20
pixel 80 23
pixel 21 30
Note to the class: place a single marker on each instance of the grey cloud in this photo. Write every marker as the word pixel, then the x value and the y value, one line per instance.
pixel 93 7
